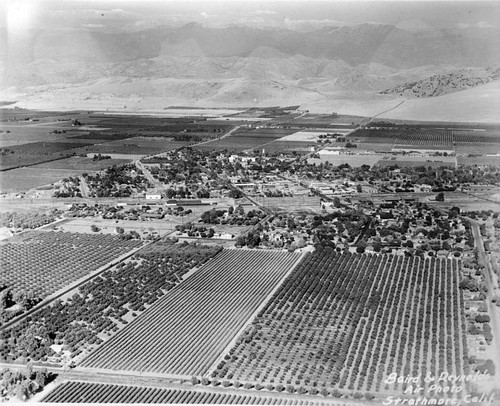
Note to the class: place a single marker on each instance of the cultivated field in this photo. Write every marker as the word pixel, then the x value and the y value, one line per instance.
pixel 107 226
pixel 186 331
pixel 80 164
pixel 278 146
pixel 347 321
pixel 85 392
pixel 95 311
pixel 51 139
pixel 134 146
pixel 313 135
pixel 414 161
pixel 248 139
pixel 352 160
pixel 23 179
pixel 462 140
pixel 46 261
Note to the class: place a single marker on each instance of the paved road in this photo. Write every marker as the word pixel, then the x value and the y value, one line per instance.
pixel 219 138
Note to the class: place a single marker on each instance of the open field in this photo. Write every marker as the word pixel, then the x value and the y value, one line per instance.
pixel 134 146
pixel 265 133
pixel 22 179
pixel 241 141
pixel 37 152
pixel 311 135
pixel 295 203
pixel 86 392
pixel 26 133
pixel 480 160
pixel 414 161
pixel 31 142
pixel 477 148
pixel 46 261
pixel 82 225
pixel 80 164
pixel 347 321
pixel 316 120
pixel 278 146
pixel 191 326
pixel 352 160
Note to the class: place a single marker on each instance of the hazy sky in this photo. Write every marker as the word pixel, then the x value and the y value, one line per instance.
pixel 23 15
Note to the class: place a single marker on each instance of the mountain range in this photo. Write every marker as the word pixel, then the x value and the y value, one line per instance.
pixel 242 64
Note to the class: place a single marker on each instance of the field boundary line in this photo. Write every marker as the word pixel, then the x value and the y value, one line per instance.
pixel 252 316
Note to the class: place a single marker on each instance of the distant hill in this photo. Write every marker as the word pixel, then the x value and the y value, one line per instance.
pixel 333 68
pixel 439 85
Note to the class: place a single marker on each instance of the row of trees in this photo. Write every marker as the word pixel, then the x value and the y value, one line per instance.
pixel 28 219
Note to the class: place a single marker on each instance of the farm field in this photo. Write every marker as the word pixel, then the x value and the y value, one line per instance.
pixel 96 310
pixel 462 140
pixel 278 146
pixel 321 120
pixel 353 160
pixel 480 160
pixel 46 261
pixel 295 203
pixel 414 161
pixel 30 143
pixel 22 179
pixel 33 153
pixel 78 163
pixel 312 135
pixel 402 163
pixel 86 392
pixel 347 321
pixel 107 226
pixel 189 328
pixel 26 133
pixel 247 139
pixel 375 147
pixel 134 146
pixel 265 133
pixel 467 148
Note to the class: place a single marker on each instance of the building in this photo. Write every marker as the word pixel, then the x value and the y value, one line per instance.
pixel 155 196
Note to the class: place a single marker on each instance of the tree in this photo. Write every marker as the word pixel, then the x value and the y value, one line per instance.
pixel 482 318
pixel 94 228
pixel 241 241
pixel 440 197
pixel 28 372
pixel 361 247
pixel 235 193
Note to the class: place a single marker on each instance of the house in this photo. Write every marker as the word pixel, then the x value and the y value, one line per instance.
pixel 153 196
pixel 152 215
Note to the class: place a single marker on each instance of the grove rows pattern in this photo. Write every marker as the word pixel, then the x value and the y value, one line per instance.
pixel 100 306
pixel 187 330
pixel 85 392
pixel 45 261
pixel 346 321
